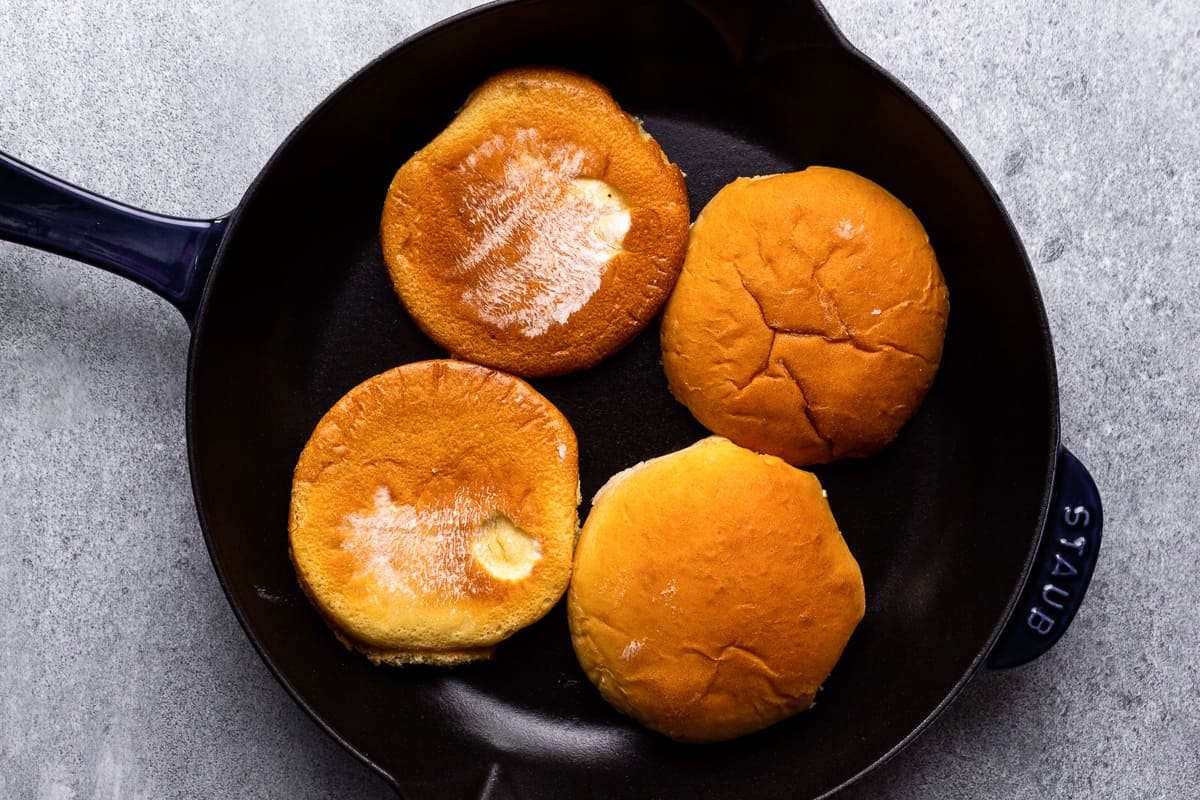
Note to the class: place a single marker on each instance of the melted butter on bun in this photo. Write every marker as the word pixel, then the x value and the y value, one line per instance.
pixel 540 238
pixel 434 512
pixel 504 550
pixel 541 230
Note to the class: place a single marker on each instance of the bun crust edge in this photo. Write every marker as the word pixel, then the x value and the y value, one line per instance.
pixel 712 592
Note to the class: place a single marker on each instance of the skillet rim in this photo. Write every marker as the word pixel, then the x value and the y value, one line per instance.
pixel 837 40
pixel 1051 368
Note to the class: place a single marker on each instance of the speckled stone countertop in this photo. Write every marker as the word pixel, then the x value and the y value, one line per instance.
pixel 123 671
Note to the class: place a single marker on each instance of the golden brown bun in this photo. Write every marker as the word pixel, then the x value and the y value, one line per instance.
pixel 712 591
pixel 809 317
pixel 538 232
pixel 434 511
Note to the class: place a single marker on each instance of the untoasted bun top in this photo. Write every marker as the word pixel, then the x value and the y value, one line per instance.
pixel 712 592
pixel 434 511
pixel 809 317
pixel 540 230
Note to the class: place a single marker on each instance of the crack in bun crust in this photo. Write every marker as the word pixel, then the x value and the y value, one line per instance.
pixel 712 592
pixel 809 317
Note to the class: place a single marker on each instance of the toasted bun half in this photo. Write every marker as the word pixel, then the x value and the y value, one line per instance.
pixel 434 512
pixel 809 317
pixel 712 592
pixel 541 230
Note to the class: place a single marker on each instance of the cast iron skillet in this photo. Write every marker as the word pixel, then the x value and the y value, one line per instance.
pixel 975 530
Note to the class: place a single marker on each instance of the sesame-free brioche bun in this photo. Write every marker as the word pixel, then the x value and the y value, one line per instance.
pixel 434 512
pixel 712 592
pixel 541 230
pixel 809 317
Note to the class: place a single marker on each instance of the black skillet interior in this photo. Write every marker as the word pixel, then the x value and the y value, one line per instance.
pixel 300 309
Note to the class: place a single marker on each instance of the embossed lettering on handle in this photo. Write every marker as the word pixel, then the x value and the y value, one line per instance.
pixel 1061 571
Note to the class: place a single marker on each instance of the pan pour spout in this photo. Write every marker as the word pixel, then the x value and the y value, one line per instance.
pixel 754 32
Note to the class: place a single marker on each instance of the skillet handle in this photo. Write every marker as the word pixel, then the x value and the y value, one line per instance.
pixel 756 31
pixel 168 255
pixel 1061 571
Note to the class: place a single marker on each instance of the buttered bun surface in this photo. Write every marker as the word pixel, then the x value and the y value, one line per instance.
pixel 434 512
pixel 712 592
pixel 809 317
pixel 541 230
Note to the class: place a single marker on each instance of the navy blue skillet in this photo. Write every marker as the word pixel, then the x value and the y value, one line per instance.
pixel 976 530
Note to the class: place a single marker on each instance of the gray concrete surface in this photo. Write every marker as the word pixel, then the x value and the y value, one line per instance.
pixel 123 673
